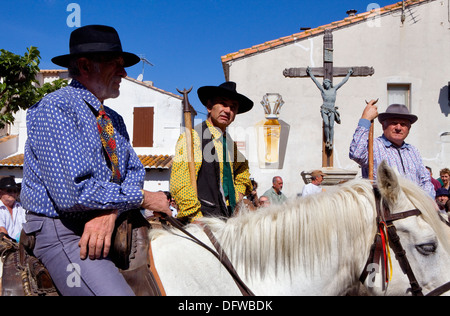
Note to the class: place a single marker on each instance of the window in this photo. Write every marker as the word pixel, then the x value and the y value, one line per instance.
pixel 143 127
pixel 399 93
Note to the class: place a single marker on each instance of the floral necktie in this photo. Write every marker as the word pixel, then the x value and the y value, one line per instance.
pixel 106 130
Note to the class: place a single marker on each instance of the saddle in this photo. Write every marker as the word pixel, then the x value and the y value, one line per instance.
pixel 25 275
pixel 131 254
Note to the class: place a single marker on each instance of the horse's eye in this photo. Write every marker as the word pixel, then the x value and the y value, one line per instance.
pixel 427 249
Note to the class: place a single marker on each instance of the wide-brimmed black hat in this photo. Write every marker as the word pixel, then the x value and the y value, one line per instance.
pixel 228 90
pixel 397 111
pixel 94 39
pixel 8 183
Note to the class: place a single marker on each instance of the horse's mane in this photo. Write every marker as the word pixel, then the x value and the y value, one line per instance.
pixel 303 230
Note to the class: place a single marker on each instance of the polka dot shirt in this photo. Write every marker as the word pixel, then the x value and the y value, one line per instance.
pixel 65 171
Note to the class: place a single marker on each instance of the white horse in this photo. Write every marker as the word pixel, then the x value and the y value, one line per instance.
pixel 317 245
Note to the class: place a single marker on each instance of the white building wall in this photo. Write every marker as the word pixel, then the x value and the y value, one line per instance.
pixel 167 115
pixel 415 52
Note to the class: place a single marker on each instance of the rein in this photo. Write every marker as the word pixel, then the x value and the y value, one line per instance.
pixel 388 235
pixel 219 254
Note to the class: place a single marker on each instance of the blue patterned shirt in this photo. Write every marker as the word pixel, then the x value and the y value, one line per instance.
pixel 406 159
pixel 64 166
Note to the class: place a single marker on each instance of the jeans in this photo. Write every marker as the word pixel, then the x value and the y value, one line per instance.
pixel 57 248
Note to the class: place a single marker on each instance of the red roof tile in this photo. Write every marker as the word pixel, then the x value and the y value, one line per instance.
pixel 318 30
pixel 149 161
pixel 53 71
pixel 156 162
pixel 14 161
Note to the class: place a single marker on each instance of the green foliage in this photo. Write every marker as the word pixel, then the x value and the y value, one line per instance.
pixel 18 84
pixel 50 87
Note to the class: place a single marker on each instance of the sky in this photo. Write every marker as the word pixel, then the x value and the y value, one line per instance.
pixel 184 40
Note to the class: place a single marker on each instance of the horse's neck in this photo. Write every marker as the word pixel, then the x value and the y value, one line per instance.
pixel 303 243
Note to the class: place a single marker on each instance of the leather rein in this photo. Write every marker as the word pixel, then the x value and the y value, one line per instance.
pixel 387 234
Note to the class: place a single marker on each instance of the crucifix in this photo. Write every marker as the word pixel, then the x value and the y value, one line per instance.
pixel 328 110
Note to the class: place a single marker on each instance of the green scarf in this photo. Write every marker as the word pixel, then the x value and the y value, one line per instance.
pixel 228 183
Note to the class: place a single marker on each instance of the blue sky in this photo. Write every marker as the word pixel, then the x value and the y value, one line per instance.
pixel 183 39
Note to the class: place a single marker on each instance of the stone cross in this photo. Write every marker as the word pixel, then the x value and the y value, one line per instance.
pixel 328 72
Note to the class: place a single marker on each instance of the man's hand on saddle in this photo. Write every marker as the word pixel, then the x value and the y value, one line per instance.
pixel 156 202
pixel 96 238
pixel 371 111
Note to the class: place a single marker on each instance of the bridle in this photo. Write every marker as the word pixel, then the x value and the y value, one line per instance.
pixel 387 234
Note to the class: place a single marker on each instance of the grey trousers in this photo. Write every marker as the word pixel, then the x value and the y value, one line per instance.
pixel 57 247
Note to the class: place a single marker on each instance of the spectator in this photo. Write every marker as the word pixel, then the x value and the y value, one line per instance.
pixel 12 215
pixel 314 186
pixel 442 197
pixel 171 203
pixel 445 177
pixel 264 201
pixel 274 194
pixel 435 182
pixel 253 196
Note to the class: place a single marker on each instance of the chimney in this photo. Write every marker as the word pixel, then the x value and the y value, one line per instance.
pixel 351 12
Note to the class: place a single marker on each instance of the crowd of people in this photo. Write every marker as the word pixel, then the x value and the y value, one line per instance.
pixel 442 188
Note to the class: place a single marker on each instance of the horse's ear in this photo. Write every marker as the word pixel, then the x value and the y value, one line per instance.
pixel 388 183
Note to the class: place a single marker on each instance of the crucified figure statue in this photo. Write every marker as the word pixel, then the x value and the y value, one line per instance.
pixel 328 109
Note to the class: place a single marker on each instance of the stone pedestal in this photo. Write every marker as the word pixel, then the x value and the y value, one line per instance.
pixel 333 176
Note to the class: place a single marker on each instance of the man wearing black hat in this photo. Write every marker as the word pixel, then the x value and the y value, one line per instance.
pixel 80 171
pixel 222 172
pixel 12 215
pixel 442 196
pixel 391 146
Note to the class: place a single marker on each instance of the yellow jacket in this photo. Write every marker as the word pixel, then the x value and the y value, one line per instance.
pixel 180 186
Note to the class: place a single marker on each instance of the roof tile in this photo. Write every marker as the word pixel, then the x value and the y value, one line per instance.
pixel 13 161
pixel 333 25
pixel 149 161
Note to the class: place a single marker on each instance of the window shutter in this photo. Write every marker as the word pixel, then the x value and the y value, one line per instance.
pixel 143 127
